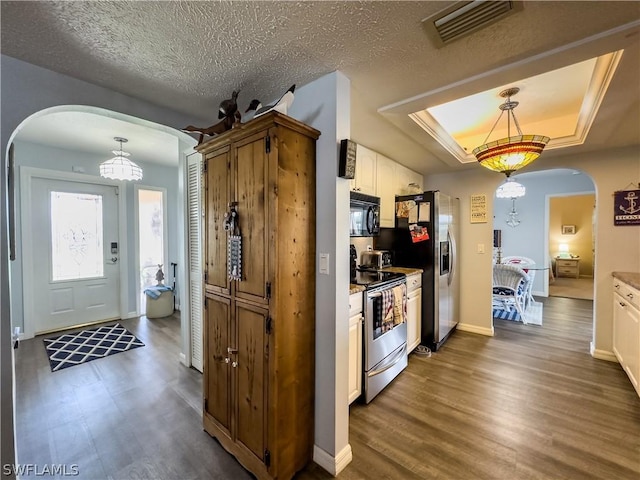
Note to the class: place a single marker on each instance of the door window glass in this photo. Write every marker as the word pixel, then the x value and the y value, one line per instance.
pixel 76 236
pixel 151 238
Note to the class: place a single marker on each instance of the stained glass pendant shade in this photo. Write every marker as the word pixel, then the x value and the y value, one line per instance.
pixel 509 154
pixel 120 167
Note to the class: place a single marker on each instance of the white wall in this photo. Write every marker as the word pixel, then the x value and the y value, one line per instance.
pixel 529 239
pixel 25 90
pixel 33 155
pixel 617 248
pixel 325 105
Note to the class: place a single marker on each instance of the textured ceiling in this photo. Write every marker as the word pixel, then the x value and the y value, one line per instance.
pixel 190 55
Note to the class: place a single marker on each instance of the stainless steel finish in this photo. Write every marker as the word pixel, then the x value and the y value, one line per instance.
pixel 376 259
pixel 446 284
pixel 386 355
pixel 383 373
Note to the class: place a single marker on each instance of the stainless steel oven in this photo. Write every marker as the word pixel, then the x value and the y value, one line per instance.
pixel 385 342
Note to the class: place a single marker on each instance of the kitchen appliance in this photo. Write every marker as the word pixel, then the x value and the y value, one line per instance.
pixel 385 343
pixel 425 236
pixel 364 220
pixel 353 261
pixel 375 259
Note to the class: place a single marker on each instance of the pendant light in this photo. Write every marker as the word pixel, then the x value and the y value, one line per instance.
pixel 120 167
pixel 509 154
pixel 510 189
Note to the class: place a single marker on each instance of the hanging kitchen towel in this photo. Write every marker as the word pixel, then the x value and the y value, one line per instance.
pixel 399 304
pixel 387 310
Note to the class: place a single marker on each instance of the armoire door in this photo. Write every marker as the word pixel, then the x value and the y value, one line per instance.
pixel 251 165
pixel 217 184
pixel 252 377
pixel 218 370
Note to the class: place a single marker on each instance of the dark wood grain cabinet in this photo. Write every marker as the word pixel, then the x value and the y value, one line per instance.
pixel 260 330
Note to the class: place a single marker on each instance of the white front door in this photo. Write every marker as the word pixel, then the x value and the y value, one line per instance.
pixel 75 253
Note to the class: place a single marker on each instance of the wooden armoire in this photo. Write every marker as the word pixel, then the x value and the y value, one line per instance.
pixel 259 330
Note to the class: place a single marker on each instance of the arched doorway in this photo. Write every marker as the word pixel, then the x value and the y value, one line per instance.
pixel 527 227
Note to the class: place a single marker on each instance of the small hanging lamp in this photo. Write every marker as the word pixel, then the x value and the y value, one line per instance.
pixel 120 167
pixel 509 154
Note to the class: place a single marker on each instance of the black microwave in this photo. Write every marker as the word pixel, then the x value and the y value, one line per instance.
pixel 365 215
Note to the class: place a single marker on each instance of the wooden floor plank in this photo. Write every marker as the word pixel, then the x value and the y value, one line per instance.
pixel 529 403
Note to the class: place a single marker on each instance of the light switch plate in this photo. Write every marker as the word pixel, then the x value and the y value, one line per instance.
pixel 481 248
pixel 324 264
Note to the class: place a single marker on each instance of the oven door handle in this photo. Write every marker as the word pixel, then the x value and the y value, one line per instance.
pixel 395 359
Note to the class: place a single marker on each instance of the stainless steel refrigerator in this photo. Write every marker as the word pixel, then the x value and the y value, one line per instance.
pixel 426 236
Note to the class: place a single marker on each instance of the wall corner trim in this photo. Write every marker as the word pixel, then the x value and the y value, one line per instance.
pixel 333 465
pixel 465 327
pixel 602 354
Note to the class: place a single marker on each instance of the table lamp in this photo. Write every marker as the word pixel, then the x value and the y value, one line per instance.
pixel 564 250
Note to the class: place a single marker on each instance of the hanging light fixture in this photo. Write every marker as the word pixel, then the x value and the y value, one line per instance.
pixel 512 217
pixel 120 167
pixel 510 189
pixel 509 154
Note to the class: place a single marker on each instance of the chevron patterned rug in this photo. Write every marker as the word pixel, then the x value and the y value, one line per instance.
pixel 533 314
pixel 81 347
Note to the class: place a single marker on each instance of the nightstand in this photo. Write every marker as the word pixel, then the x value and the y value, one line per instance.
pixel 568 267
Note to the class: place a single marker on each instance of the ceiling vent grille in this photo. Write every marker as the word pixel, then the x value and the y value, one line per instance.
pixel 464 18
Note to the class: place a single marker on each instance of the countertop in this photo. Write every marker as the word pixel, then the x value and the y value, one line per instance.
pixel 353 288
pixel 630 278
pixel 405 270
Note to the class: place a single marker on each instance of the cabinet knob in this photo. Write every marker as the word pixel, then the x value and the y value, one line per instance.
pixel 232 351
pixel 234 364
pixel 618 285
pixel 630 295
pixel 622 304
pixel 226 360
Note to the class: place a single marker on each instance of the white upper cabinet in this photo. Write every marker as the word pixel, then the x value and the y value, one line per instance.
pixel 386 189
pixel 404 177
pixel 365 181
pixel 380 176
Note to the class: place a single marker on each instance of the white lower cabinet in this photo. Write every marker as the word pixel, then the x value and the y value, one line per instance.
pixel 355 346
pixel 414 311
pixel 626 330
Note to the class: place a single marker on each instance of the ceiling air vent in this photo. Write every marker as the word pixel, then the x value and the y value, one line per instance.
pixel 463 18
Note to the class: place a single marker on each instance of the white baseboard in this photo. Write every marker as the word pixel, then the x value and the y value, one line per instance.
pixel 333 465
pixel 602 354
pixel 130 315
pixel 465 327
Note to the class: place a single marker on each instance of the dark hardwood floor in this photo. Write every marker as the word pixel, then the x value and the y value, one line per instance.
pixel 529 403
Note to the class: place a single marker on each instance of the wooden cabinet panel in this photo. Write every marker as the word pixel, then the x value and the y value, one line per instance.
pixel 260 405
pixel 217 185
pixel 217 372
pixel 251 169
pixel 252 368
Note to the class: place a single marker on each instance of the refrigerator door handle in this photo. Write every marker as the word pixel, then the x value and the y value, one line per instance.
pixel 454 254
